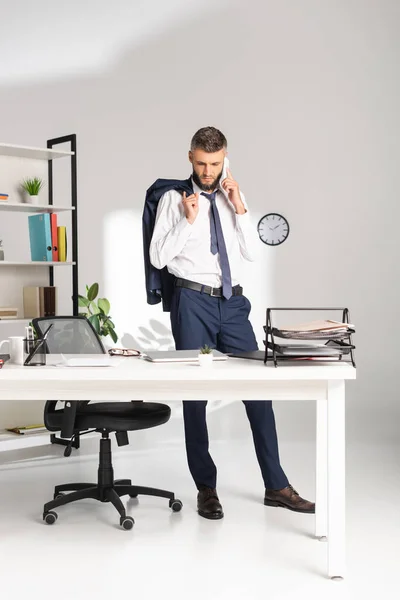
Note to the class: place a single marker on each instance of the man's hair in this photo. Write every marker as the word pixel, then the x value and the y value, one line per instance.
pixel 208 139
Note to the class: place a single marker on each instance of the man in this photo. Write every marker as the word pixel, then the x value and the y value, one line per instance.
pixel 202 239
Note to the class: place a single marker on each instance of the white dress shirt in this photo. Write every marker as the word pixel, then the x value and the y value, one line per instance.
pixel 184 248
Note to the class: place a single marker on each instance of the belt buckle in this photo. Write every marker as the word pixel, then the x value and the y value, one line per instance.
pixel 212 292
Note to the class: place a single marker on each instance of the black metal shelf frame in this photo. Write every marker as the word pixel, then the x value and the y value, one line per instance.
pixel 71 139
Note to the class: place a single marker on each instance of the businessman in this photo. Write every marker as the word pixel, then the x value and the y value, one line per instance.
pixel 203 238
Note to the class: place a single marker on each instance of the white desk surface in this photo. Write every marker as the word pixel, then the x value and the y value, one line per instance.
pixel 134 378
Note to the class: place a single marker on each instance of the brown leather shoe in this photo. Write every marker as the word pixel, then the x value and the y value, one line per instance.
pixel 208 504
pixel 288 498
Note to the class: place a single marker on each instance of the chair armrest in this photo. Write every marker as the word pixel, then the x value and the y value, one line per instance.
pixel 68 421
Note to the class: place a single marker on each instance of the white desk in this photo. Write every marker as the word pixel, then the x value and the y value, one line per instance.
pixel 136 379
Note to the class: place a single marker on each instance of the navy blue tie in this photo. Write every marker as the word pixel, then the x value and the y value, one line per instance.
pixel 218 245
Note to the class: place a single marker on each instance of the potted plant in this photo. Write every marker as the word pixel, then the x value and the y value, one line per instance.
pixel 97 312
pixel 32 187
pixel 205 356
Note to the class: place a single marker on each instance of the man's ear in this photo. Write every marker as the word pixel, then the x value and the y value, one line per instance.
pixel 190 156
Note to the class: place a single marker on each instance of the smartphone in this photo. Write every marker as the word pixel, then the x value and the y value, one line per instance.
pixel 224 169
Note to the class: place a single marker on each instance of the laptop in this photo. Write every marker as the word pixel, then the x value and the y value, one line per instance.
pixel 159 356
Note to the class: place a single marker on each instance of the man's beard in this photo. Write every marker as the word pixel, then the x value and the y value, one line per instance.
pixel 206 187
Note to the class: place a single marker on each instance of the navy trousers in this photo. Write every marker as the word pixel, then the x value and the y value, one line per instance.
pixel 198 319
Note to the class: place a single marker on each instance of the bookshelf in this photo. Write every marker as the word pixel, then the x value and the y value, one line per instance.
pixel 16 162
pixel 56 164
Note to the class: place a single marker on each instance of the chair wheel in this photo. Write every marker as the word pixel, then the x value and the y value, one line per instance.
pixel 176 505
pixel 58 495
pixel 126 523
pixel 50 517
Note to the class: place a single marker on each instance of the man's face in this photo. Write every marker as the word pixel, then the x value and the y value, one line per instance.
pixel 207 168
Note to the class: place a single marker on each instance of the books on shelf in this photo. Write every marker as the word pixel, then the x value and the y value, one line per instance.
pixel 8 313
pixel 39 301
pixel 3 197
pixel 48 242
pixel 62 243
pixel 40 237
pixel 54 240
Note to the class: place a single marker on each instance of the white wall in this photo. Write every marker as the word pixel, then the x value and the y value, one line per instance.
pixel 307 94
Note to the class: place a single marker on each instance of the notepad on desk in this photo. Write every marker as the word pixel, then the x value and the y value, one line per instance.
pixel 85 361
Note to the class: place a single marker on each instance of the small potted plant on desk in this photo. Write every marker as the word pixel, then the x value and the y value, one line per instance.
pixel 32 187
pixel 205 356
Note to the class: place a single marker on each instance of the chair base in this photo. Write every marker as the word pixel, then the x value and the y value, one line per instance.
pixel 106 490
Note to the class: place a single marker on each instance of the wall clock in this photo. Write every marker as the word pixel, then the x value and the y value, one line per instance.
pixel 273 229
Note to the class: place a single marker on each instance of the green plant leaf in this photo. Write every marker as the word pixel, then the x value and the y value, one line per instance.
pixel 93 291
pixel 32 185
pixel 94 308
pixel 114 336
pixel 104 305
pixel 82 301
pixel 205 349
pixel 95 322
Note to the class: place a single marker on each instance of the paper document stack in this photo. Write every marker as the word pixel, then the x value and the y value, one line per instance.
pixel 323 340
pixel 315 330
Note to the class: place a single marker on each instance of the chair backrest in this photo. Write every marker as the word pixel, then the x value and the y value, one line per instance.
pixel 69 335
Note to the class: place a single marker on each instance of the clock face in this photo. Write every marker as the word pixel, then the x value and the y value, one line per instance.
pixel 273 229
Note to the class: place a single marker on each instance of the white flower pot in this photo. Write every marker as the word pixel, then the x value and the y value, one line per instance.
pixel 28 199
pixel 205 360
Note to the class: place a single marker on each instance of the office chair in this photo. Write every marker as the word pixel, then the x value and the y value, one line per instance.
pixel 76 335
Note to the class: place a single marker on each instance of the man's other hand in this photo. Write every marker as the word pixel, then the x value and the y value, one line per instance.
pixel 191 206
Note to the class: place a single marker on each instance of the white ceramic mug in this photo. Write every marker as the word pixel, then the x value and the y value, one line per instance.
pixel 16 349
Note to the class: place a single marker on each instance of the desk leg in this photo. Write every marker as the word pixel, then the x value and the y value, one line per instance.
pixel 336 479
pixel 321 484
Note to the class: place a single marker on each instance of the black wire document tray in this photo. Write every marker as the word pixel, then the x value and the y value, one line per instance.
pixel 338 343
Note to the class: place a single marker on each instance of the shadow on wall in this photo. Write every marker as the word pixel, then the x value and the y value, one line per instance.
pixel 155 337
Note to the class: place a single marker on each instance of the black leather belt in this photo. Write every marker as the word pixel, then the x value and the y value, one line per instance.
pixel 237 290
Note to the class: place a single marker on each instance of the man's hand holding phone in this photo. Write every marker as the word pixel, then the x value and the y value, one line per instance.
pixel 231 187
pixel 191 207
